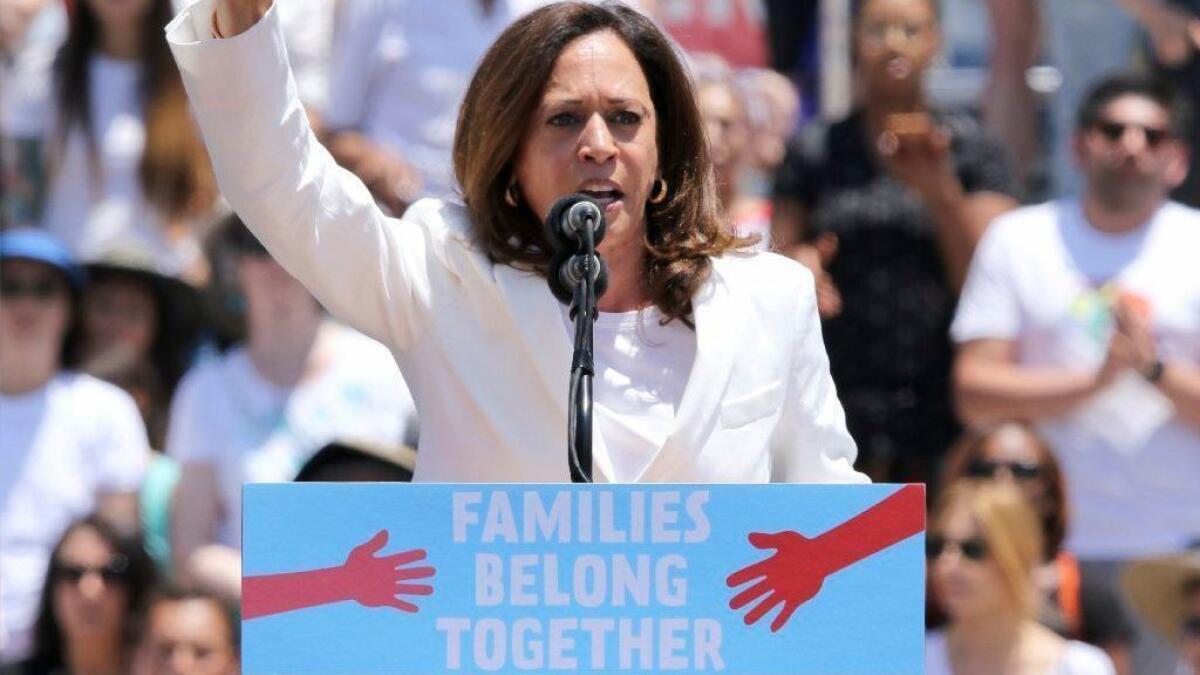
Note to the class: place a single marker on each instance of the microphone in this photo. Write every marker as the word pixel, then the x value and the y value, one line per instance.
pixel 571 220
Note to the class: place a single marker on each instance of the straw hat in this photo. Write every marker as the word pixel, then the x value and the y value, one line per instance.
pixel 1155 586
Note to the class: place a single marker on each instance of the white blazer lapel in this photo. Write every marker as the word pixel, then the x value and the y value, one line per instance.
pixel 538 319
pixel 718 334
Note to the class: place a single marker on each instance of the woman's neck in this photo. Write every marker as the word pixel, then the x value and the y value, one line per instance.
pixel 122 42
pixel 22 372
pixel 95 655
pixel 879 108
pixel 627 289
pixel 975 644
pixel 282 352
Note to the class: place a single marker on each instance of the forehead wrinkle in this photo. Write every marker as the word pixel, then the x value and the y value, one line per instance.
pixel 587 66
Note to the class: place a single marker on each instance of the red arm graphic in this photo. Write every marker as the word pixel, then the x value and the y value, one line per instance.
pixel 796 571
pixel 369 580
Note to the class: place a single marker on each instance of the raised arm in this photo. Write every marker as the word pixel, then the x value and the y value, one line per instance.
pixel 315 218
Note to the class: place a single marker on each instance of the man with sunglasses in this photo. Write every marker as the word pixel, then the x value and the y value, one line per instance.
pixel 70 444
pixel 1083 316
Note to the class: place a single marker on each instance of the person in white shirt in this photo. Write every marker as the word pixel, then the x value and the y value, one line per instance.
pixel 983 545
pixel 123 162
pixel 397 74
pixel 592 99
pixel 1083 315
pixel 69 443
pixel 261 410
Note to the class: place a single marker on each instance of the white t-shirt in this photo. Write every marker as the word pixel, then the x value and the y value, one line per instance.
pixel 1078 658
pixel 26 79
pixel 60 447
pixel 93 217
pixel 641 371
pixel 308 32
pixel 252 431
pixel 400 69
pixel 1044 278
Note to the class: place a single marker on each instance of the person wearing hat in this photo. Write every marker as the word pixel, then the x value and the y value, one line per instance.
pixel 70 444
pixel 131 310
pixel 262 408
pixel 1166 592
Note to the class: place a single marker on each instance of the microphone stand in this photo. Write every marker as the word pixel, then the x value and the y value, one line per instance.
pixel 579 421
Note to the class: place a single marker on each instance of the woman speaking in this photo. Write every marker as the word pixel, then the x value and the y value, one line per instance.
pixel 709 360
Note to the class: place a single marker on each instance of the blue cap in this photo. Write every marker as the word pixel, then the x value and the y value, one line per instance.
pixel 39 246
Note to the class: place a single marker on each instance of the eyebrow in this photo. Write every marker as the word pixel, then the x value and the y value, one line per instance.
pixel 579 101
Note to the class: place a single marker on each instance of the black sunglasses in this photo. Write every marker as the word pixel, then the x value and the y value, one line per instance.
pixel 1115 131
pixel 38 288
pixel 1190 626
pixel 974 549
pixel 115 571
pixel 986 468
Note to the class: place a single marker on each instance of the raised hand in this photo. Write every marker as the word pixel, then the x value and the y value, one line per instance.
pixel 917 153
pixel 377 581
pixel 790 577
pixel 232 17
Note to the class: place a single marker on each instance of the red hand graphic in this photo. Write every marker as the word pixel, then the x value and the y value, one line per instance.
pixel 368 580
pixel 790 577
pixel 797 570
pixel 375 582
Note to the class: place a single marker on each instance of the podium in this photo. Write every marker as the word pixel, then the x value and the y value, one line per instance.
pixel 443 578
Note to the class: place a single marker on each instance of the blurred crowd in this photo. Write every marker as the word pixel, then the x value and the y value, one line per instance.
pixel 1007 291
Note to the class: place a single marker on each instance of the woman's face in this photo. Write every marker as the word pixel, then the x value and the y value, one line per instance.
pixel 1009 456
pixel 35 308
pixel 727 131
pixel 594 132
pixel 271 293
pixel 966 579
pixel 895 41
pixel 90 597
pixel 119 314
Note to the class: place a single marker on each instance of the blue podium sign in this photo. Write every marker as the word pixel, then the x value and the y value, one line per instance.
pixel 441 578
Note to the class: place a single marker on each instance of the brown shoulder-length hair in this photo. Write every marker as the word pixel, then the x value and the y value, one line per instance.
pixel 1054 511
pixel 682 232
pixel 174 170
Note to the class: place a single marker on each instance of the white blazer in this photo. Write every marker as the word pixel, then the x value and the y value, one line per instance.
pixel 482 346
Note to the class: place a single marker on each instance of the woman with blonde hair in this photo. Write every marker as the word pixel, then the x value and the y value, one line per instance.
pixel 983 545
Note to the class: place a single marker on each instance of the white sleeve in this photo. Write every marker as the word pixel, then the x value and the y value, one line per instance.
pixel 121 447
pixel 811 443
pixel 317 219
pixel 356 34
pixel 186 439
pixel 988 307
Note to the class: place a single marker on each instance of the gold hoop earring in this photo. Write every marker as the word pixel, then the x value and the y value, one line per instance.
pixel 660 191
pixel 510 194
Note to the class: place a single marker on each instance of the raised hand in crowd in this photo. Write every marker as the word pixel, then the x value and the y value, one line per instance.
pixel 917 152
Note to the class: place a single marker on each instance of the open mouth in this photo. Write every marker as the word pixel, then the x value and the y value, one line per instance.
pixel 899 67
pixel 606 197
